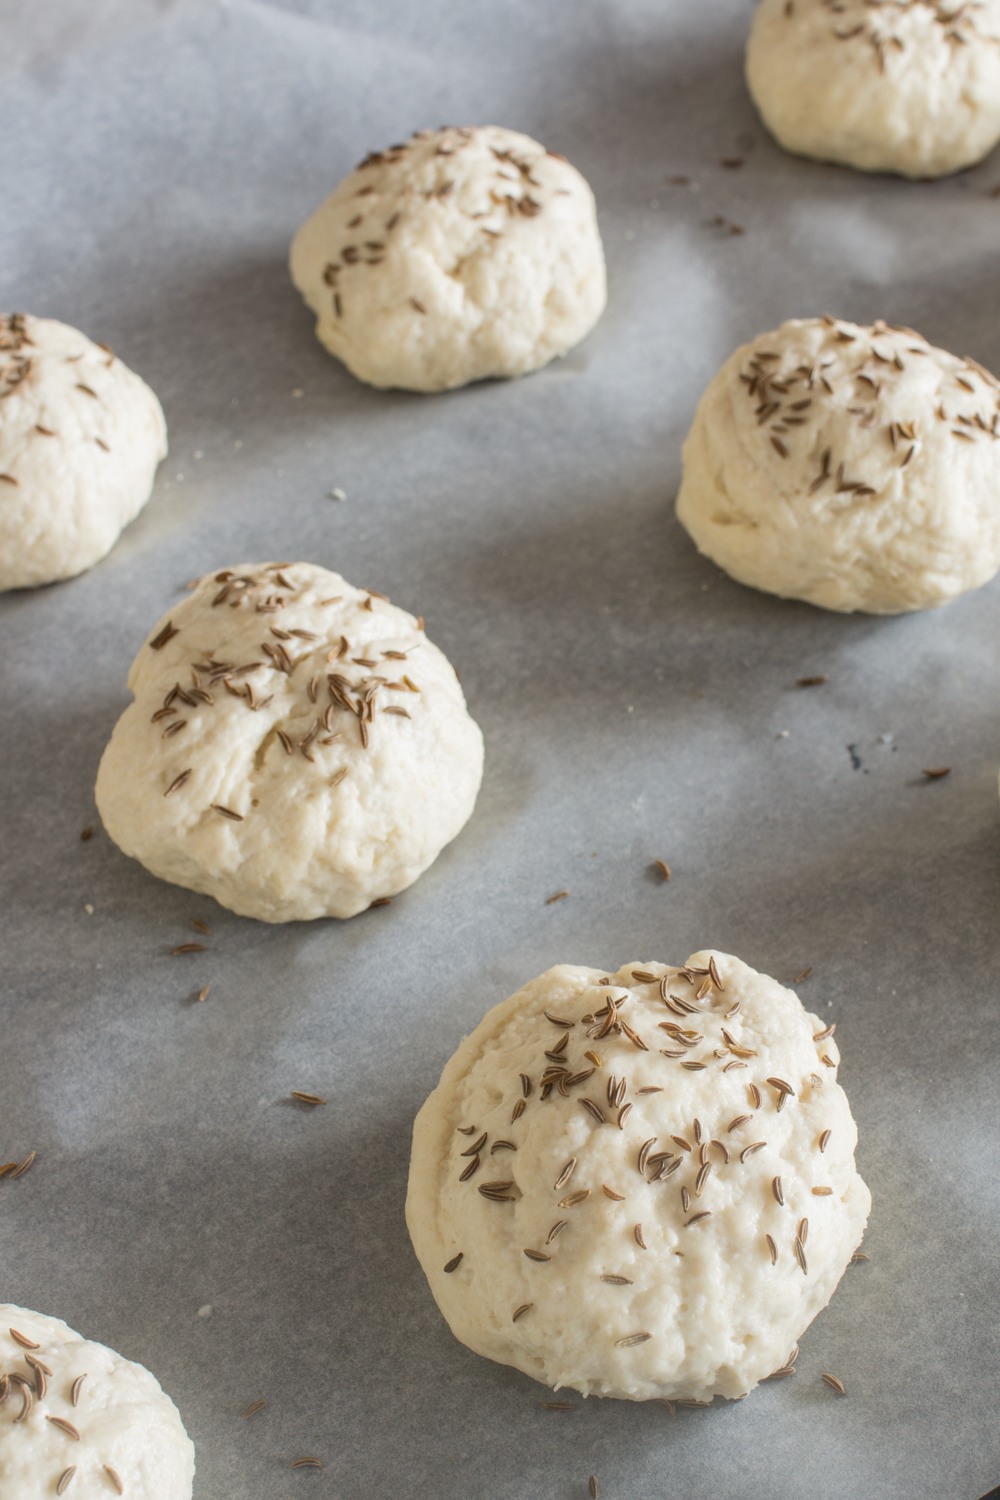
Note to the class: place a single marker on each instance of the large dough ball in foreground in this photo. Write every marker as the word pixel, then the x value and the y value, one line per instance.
pixel 80 439
pixel 856 468
pixel 67 1404
pixel 297 748
pixel 909 86
pixel 458 255
pixel 672 1216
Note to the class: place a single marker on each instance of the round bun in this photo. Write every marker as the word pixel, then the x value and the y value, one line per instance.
pixel 297 748
pixel 80 439
pixel 908 86
pixel 459 255
pixel 856 468
pixel 67 1404
pixel 658 1209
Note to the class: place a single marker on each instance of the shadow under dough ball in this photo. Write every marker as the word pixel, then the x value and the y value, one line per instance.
pixel 297 747
pixel 80 438
pixel 855 468
pixel 907 86
pixel 458 255
pixel 639 1184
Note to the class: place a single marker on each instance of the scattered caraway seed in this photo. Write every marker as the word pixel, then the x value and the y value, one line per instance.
pixel 7 1168
pixel 306 1098
pixel 776 1190
pixel 536 1255
pixel 559 896
pixel 856 1257
pixel 822 1192
pixel 610 1193
pixel 663 868
pixel 631 1339
pixel 115 1478
pixel 617 1280
pixel 810 681
pixel 800 978
pixel 189 948
pixel 85 835
pixel 557 1406
pixel 201 926
pixel 22 1339
pixel 933 776
pixel 835 1384
pixel 564 1175
pixel 64 1426
pixel 594 1487
pixel 64 1479
pixel 556 1021
pixel 227 812
pixel 706 1213
pixel 254 1406
pixel 575 1199
pixel 520 1311
pixel 455 1262
pixel 772 1247
pixel 638 1237
pixel 74 1394
pixel 203 994
pixel 380 901
pixel 306 1463
pixel 19 1171
pixel 781 1374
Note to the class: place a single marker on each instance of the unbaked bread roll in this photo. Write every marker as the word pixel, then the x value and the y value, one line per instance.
pixel 76 1419
pixel 457 255
pixel 80 439
pixel 909 86
pixel 639 1184
pixel 297 748
pixel 856 468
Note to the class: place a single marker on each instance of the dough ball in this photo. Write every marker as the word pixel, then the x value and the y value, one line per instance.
pixel 297 748
pixel 655 1210
pixel 459 255
pixel 80 439
pixel 856 468
pixel 909 86
pixel 89 1414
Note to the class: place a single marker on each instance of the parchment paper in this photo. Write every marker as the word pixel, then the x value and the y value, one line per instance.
pixel 634 700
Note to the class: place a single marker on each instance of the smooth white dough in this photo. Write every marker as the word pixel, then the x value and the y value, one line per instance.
pixel 306 844
pixel 721 1316
pixel 124 1419
pixel 80 438
pixel 907 515
pixel 908 86
pixel 458 255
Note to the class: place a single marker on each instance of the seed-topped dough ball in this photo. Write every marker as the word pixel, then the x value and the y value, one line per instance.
pixel 297 748
pixel 76 1419
pixel 80 439
pixel 639 1184
pixel 856 468
pixel 909 86
pixel 458 255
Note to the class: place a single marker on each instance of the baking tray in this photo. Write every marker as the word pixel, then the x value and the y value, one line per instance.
pixel 156 160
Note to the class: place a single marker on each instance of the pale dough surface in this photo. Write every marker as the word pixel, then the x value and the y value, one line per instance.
pixel 124 1420
pixel 910 87
pixel 80 438
pixel 719 1314
pixel 457 255
pixel 856 468
pixel 320 715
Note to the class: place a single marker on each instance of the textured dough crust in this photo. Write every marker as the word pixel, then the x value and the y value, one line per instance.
pixel 458 255
pixel 908 86
pixel 856 468
pixel 321 721
pixel 719 1315
pixel 80 439
pixel 125 1421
